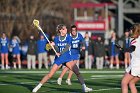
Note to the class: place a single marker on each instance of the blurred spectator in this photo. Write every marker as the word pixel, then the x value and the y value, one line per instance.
pixel 88 51
pixel 126 44
pixel 24 49
pixel 99 52
pixel 107 60
pixel 113 51
pixel 42 53
pixel 51 52
pixel 4 44
pixel 31 53
pixel 96 15
pixel 16 51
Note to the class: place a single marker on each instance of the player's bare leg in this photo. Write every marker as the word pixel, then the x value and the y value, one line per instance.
pixel 125 81
pixel 132 84
pixel 71 72
pixel 19 61
pixel 75 69
pixel 2 61
pixel 61 75
pixel 46 77
pixel 111 62
pixel 68 81
pixel 6 60
pixel 117 62
pixel 127 59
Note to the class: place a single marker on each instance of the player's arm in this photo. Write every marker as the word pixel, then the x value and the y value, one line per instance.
pixel 82 42
pixel 65 49
pixel 129 49
pixel 132 47
pixel 56 48
pixel 82 45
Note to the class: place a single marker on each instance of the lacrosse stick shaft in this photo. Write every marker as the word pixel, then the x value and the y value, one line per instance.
pixel 47 39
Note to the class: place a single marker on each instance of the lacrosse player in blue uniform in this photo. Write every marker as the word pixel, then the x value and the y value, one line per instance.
pixel 4 44
pixel 77 44
pixel 16 52
pixel 62 44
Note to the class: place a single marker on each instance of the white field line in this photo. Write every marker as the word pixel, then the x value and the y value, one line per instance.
pixel 22 83
pixel 102 89
pixel 105 76
pixel 92 77
pixel 102 76
pixel 86 72
pixel 107 89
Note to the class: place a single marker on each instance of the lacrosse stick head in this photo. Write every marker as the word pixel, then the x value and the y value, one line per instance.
pixel 36 23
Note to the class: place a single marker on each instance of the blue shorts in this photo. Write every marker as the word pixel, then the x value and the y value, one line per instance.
pixel 62 60
pixel 75 56
pixel 4 51
pixel 15 52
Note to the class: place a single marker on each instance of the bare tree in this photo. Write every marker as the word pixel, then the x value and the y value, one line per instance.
pixel 16 16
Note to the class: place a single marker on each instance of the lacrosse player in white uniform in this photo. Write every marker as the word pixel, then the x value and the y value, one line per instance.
pixel 132 75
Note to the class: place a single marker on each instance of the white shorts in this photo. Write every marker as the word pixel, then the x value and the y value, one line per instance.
pixel 134 71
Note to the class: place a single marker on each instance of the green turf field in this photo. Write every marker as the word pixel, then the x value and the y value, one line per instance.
pixel 23 81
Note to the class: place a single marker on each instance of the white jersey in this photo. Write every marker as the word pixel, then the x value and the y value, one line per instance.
pixel 134 66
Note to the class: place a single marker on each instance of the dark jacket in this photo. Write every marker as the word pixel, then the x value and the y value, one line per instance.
pixel 32 47
pixel 123 39
pixel 90 47
pixel 99 49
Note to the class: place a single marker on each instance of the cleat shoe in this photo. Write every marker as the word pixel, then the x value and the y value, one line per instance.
pixel 87 89
pixel 117 66
pixel 68 82
pixel 59 81
pixel 111 66
pixel 2 68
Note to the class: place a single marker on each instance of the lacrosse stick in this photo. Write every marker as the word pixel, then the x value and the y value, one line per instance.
pixel 36 24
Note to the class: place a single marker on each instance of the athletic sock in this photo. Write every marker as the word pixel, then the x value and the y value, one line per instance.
pixel 15 66
pixel 83 86
pixel 19 66
pixel 7 67
pixel 39 84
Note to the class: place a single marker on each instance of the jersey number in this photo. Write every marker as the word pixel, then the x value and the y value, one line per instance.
pixel 75 45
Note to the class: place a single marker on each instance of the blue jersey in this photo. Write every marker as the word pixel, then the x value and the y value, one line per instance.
pixel 41 45
pixel 4 42
pixel 76 44
pixel 113 52
pixel 15 47
pixel 127 42
pixel 65 57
